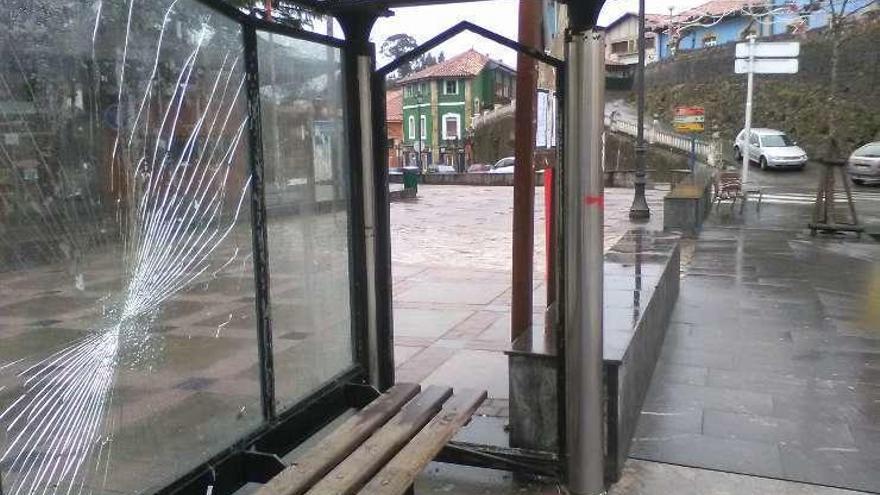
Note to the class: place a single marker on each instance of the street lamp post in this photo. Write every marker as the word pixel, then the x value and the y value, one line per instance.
pixel 639 209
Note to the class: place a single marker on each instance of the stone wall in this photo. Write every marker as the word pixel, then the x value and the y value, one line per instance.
pixel 493 136
pixel 620 154
pixel 794 103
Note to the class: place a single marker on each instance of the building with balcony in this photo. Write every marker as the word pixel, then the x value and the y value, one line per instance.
pixel 440 101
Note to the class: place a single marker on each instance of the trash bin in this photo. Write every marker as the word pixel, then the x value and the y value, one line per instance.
pixel 411 178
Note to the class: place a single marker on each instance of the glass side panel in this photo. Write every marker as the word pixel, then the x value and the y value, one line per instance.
pixel 307 194
pixel 127 344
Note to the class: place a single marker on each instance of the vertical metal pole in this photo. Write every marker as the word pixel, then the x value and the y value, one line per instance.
pixel 748 126
pixel 639 209
pixel 382 239
pixel 530 14
pixel 364 78
pixel 583 246
pixel 422 168
pixel 692 158
pixel 258 219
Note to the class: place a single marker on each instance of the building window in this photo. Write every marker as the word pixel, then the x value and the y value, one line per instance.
pixel 450 87
pixel 620 47
pixel 710 40
pixel 412 127
pixel 451 126
pixel 477 105
pixel 423 126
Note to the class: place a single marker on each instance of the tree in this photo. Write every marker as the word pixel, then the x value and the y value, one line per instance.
pixel 427 61
pixel 397 45
pixel 837 13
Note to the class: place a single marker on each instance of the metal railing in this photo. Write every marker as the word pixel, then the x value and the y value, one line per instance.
pixel 708 150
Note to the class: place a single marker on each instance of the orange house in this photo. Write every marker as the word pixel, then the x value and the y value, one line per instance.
pixel 394 126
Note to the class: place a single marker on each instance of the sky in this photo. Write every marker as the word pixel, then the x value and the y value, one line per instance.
pixel 496 15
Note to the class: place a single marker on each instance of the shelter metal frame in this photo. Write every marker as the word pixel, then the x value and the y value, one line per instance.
pixel 257 456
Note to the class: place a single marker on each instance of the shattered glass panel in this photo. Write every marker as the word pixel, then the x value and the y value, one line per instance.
pixel 307 193
pixel 127 343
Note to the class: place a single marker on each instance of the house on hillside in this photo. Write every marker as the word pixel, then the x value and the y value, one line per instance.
pixel 719 22
pixel 622 48
pixel 798 16
pixel 394 126
pixel 713 23
pixel 622 35
pixel 440 101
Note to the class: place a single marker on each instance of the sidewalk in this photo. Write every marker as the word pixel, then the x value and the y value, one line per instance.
pixel 771 364
pixel 452 282
pixel 727 395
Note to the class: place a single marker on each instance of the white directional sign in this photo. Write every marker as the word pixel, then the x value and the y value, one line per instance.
pixel 776 49
pixel 768 66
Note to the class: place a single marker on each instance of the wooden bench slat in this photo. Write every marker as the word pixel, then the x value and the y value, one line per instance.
pixel 352 473
pixel 400 473
pixel 330 451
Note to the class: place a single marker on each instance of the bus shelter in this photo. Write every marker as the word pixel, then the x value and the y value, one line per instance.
pixel 196 254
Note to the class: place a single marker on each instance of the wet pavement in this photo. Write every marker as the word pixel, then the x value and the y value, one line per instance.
pixel 452 282
pixel 771 364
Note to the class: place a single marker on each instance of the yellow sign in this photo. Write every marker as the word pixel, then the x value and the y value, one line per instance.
pixel 689 119
pixel 689 127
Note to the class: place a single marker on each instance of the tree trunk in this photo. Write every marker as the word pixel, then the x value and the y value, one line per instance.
pixel 832 147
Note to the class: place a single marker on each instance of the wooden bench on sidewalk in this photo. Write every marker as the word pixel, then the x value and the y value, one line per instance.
pixel 382 448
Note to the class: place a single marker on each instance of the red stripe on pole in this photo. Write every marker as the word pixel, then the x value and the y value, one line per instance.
pixel 595 201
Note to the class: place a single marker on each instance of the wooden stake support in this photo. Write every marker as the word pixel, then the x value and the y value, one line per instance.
pixel 824 215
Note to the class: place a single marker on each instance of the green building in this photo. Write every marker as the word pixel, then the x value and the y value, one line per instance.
pixel 440 101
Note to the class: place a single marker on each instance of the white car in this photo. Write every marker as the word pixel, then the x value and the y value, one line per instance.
pixel 864 164
pixel 503 166
pixel 770 148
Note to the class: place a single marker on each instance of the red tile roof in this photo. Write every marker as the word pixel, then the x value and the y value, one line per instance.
pixel 652 20
pixel 712 8
pixel 394 105
pixel 718 7
pixel 466 64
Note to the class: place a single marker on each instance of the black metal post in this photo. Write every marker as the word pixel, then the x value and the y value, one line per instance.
pixel 639 209
pixel 382 243
pixel 357 241
pixel 260 236
pixel 371 235
pixel 419 130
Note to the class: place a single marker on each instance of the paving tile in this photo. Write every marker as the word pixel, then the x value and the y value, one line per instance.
pixel 403 353
pixel 474 369
pixel 680 373
pixel 745 378
pixel 738 456
pixel 664 424
pixel 868 441
pixel 707 358
pixel 653 478
pixel 475 324
pixel 428 323
pixel 843 467
pixel 673 397
pixel 827 407
pixel 453 292
pixel 812 434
